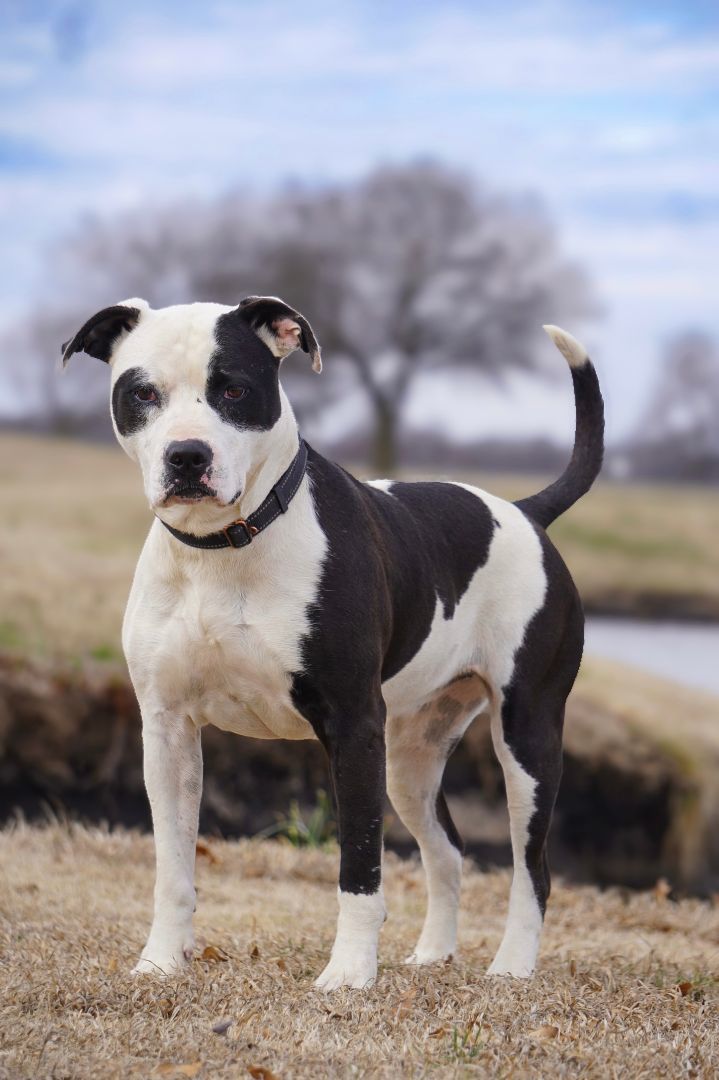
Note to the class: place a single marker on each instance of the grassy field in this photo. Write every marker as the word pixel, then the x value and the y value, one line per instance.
pixel 74 519
pixel 626 986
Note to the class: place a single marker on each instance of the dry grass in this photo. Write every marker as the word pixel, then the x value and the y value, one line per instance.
pixel 73 524
pixel 74 520
pixel 626 985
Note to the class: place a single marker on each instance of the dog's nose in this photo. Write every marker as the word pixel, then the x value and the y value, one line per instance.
pixel 188 458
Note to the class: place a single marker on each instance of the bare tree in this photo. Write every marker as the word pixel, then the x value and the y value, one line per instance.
pixel 678 434
pixel 408 271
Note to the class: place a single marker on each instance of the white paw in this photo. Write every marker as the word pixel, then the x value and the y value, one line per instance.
pixel 165 962
pixel 431 954
pixel 357 972
pixel 515 964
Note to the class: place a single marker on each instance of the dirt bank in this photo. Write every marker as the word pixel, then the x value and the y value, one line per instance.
pixel 638 799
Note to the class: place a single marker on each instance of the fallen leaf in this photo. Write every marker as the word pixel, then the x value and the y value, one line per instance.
pixel 544 1031
pixel 204 850
pixel 684 988
pixel 281 964
pixel 438 1033
pixel 254 953
pixel 221 1027
pixel 213 954
pixel 171 1068
pixel 260 1072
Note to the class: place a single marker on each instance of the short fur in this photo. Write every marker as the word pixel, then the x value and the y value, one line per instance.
pixel 379 618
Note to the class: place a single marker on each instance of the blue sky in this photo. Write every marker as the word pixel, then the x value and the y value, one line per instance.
pixel 609 112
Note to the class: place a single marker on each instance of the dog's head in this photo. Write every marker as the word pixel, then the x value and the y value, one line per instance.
pixel 196 398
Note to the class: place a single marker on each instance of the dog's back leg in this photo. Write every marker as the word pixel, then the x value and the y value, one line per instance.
pixel 530 800
pixel 417 752
pixel 527 736
pixel 414 787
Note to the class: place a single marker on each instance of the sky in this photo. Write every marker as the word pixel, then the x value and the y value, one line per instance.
pixel 608 112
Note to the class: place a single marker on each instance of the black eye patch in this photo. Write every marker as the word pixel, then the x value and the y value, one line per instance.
pixel 130 412
pixel 242 361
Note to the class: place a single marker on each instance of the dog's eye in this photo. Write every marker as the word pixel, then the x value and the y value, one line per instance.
pixel 145 393
pixel 236 392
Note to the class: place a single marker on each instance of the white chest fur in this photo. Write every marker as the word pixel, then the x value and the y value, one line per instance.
pixel 230 666
pixel 217 638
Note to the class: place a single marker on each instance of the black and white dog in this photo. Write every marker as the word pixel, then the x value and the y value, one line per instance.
pixel 280 598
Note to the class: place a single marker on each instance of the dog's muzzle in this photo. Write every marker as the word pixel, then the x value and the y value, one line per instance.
pixel 188 463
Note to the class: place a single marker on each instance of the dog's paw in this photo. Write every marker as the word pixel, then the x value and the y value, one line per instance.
pixel 429 955
pixel 519 971
pixel 516 956
pixel 355 971
pixel 165 963
pixel 517 966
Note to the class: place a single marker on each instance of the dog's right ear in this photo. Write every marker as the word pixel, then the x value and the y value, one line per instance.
pixel 280 327
pixel 100 333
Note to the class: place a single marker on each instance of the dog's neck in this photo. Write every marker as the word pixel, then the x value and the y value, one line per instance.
pixel 263 476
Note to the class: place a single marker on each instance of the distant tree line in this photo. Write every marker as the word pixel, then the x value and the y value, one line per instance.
pixel 409 271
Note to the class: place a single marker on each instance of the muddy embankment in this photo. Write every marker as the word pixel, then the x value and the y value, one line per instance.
pixel 634 806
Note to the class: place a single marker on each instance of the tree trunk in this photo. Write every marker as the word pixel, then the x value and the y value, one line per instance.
pixel 384 449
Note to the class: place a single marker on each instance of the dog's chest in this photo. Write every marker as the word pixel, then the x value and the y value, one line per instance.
pixel 227 659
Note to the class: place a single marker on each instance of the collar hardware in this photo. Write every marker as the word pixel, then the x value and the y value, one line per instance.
pixel 250 531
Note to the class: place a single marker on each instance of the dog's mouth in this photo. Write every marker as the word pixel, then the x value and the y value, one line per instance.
pixel 182 493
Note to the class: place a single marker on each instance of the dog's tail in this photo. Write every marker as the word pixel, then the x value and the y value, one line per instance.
pixel 586 461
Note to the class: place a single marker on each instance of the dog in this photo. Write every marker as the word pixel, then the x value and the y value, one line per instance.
pixel 278 597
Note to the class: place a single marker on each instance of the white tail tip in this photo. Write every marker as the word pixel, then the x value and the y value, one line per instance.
pixel 573 352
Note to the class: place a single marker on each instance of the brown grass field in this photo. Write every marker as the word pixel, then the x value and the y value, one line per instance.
pixel 626 986
pixel 74 520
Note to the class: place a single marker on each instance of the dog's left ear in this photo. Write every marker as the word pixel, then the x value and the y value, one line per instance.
pixel 100 333
pixel 280 327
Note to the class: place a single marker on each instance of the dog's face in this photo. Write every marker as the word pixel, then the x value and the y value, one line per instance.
pixel 196 394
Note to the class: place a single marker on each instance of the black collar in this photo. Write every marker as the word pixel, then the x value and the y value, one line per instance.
pixel 240 533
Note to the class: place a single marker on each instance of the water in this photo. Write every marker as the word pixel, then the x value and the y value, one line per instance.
pixel 687 653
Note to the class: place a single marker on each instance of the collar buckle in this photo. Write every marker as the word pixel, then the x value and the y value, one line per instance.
pixel 250 531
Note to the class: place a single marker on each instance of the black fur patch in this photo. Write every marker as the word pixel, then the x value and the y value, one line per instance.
pixel 389 557
pixel 242 359
pixel 434 538
pixel 129 412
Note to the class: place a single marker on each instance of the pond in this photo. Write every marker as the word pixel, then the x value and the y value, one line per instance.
pixel 687 653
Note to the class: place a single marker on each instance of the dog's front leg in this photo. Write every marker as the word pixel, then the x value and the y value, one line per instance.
pixel 173 778
pixel 357 764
